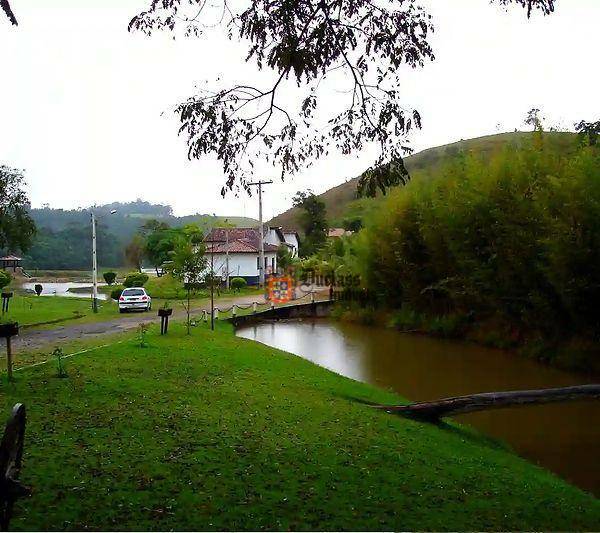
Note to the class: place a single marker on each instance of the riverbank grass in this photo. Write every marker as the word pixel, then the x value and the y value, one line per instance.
pixel 213 432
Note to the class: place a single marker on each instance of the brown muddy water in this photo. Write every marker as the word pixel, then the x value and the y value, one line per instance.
pixel 564 438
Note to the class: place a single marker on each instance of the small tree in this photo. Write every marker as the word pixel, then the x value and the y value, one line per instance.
pixel 237 284
pixel 284 257
pixel 109 277
pixel 5 279
pixel 188 265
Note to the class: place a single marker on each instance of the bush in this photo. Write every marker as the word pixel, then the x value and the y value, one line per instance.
pixel 5 279
pixel 115 294
pixel 38 289
pixel 109 277
pixel 238 284
pixel 135 279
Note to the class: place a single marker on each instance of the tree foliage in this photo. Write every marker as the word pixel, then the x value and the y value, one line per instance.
pixel 5 279
pixel 588 131
pixel 357 45
pixel 16 226
pixel 313 221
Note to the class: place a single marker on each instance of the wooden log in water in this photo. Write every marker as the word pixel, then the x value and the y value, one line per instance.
pixel 432 411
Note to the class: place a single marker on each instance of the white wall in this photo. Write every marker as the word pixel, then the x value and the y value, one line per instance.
pixel 271 237
pixel 291 238
pixel 244 265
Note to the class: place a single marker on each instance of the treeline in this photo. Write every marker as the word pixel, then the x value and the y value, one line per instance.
pixel 71 248
pixel 515 237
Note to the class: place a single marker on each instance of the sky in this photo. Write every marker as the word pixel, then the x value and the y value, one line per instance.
pixel 86 106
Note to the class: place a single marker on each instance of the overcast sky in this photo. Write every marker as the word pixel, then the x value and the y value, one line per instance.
pixel 85 105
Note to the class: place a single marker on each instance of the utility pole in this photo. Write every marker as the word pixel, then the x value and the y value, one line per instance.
pixel 95 262
pixel 227 258
pixel 261 271
pixel 94 267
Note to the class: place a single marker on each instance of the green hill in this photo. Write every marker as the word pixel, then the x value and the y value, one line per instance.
pixel 342 202
pixel 63 239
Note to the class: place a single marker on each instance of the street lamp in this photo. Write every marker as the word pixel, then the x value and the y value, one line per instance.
pixel 95 262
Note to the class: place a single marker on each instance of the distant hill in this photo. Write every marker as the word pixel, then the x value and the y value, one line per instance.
pixel 63 237
pixel 342 202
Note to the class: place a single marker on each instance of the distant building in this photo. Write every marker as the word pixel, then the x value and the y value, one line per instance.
pixel 240 247
pixel 10 262
pixel 336 233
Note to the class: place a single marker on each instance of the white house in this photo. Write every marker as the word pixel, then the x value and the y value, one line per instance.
pixel 240 249
pixel 292 239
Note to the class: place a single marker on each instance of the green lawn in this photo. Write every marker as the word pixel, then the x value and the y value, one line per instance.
pixel 215 432
pixel 36 310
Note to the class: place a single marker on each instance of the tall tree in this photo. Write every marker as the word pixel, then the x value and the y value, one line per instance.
pixel 313 220
pixel 16 226
pixel 359 45
pixel 134 251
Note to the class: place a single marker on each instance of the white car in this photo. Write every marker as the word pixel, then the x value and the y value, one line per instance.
pixel 134 298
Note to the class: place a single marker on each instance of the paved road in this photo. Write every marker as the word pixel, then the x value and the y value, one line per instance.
pixel 35 339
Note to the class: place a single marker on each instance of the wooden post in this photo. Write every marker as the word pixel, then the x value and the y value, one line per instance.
pixel 11 454
pixel 312 296
pixel 233 311
pixel 433 411
pixel 204 315
pixel 216 312
pixel 254 307
pixel 272 306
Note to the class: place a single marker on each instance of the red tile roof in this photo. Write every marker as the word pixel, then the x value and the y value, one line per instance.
pixel 241 240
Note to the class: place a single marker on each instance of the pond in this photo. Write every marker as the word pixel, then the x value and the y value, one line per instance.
pixel 564 438
pixel 66 289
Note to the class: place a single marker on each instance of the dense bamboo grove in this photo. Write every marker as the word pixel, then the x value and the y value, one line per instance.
pixel 515 237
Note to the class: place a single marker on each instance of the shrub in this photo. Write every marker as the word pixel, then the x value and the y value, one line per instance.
pixel 109 277
pixel 115 294
pixel 135 279
pixel 38 289
pixel 5 279
pixel 238 284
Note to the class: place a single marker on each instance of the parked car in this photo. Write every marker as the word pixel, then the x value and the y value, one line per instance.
pixel 134 298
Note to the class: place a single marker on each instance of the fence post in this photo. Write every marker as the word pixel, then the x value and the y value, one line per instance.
pixel 312 296
pixel 272 306
pixel 204 315
pixel 233 311
pixel 254 307
pixel 216 311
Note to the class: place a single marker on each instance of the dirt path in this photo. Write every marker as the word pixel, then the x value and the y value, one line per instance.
pixel 35 339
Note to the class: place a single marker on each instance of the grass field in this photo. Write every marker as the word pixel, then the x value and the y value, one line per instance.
pixel 214 432
pixel 34 310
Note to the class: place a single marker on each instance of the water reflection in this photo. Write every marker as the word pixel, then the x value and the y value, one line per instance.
pixel 562 437
pixel 66 289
